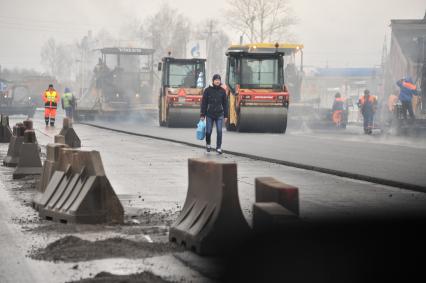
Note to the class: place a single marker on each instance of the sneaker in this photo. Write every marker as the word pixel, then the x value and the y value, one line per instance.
pixel 208 148
pixel 219 151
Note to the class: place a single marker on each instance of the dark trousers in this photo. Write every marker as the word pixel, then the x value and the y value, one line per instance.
pixel 407 106
pixel 69 111
pixel 209 129
pixel 368 120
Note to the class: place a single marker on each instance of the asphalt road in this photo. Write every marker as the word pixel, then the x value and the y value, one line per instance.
pixel 397 161
pixel 150 176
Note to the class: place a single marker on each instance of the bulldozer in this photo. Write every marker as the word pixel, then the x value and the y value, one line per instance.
pixel 182 84
pixel 121 84
pixel 258 98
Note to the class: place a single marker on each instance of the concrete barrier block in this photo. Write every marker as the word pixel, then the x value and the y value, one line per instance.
pixel 70 135
pixel 29 162
pixel 5 131
pixel 79 191
pixel 12 157
pixel 268 189
pixel 59 139
pixel 211 221
pixel 50 164
pixel 269 216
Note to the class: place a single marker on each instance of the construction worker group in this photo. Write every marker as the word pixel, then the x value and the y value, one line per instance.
pixel 407 97
pixel 51 98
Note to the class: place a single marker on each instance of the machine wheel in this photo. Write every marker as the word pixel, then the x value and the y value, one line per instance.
pixel 262 119
pixel 230 127
pixel 160 109
pixel 284 127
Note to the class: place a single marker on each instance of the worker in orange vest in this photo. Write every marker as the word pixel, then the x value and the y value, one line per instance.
pixel 368 105
pixel 338 109
pixel 50 99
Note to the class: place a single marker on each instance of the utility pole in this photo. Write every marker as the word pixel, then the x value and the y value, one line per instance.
pixel 210 33
pixel 252 19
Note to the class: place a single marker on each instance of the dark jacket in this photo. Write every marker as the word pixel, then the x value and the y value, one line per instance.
pixel 214 103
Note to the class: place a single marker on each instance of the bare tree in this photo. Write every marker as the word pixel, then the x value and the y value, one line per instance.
pixel 167 30
pixel 261 20
pixel 217 41
pixel 57 59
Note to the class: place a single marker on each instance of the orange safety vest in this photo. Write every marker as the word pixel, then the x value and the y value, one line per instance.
pixel 409 85
pixel 371 99
pixel 50 99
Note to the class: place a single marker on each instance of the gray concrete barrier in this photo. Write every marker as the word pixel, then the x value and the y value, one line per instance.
pixel 268 189
pixel 79 191
pixel 70 135
pixel 211 221
pixel 50 164
pixel 59 139
pixel 12 157
pixel 269 216
pixel 5 131
pixel 29 162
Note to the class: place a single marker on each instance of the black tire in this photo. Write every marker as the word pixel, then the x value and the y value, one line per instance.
pixel 284 128
pixel 230 127
pixel 160 106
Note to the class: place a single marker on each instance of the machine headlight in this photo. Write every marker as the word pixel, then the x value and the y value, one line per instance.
pixel 29 98
pixel 137 95
pixel 117 95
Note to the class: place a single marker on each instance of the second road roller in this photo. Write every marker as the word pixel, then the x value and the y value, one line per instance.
pixel 182 84
pixel 258 98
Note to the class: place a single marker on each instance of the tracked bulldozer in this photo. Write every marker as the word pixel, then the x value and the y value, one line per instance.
pixel 182 83
pixel 121 84
pixel 258 98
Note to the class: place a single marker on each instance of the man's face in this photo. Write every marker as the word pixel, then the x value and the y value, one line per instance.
pixel 217 82
pixel 50 88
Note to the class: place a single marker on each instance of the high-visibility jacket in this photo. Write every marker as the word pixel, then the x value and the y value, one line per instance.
pixel 51 99
pixel 67 100
pixel 368 105
pixel 408 89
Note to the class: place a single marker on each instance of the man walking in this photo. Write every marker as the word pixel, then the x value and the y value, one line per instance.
pixel 50 99
pixel 215 110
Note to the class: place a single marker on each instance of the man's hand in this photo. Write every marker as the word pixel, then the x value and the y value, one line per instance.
pixel 225 120
pixel 202 118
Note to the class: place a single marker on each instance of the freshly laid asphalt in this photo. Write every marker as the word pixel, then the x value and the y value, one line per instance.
pixel 387 160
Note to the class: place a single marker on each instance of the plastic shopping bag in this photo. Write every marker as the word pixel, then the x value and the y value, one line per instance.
pixel 201 130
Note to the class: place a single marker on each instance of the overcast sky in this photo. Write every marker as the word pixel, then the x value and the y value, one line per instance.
pixel 340 33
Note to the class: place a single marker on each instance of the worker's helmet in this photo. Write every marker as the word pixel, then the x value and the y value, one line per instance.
pixel 337 95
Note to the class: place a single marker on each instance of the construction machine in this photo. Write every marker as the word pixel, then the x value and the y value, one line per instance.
pixel 258 98
pixel 182 84
pixel 121 84
pixel 16 99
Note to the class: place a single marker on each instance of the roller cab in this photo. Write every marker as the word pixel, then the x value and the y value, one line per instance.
pixel 182 84
pixel 258 98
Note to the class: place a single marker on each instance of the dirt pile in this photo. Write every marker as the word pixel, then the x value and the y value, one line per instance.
pixel 74 249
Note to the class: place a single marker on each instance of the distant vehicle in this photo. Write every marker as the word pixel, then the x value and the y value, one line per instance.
pixel 121 85
pixel 407 58
pixel 16 99
pixel 182 84
pixel 257 93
